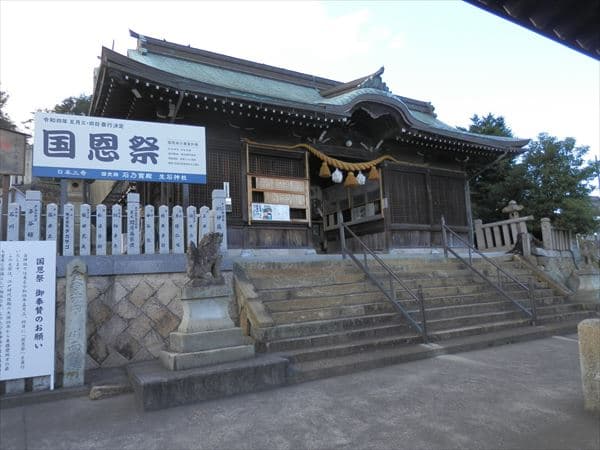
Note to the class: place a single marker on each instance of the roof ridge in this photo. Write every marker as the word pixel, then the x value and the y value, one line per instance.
pixel 164 47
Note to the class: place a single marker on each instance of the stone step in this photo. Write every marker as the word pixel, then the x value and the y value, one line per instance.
pixel 330 290
pixel 319 327
pixel 577 315
pixel 299 304
pixel 356 346
pixel 283 345
pixel 465 339
pixel 375 296
pixel 446 312
pixel 468 320
pixel 482 297
pixel 308 315
pixel 291 279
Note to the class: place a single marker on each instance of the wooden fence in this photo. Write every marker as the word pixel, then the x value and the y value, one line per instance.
pixel 100 231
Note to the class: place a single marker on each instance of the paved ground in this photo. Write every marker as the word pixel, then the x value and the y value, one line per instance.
pixel 521 396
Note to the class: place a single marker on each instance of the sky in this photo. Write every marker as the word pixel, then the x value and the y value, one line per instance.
pixel 461 59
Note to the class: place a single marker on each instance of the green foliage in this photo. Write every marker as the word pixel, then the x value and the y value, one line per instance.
pixel 556 181
pixel 492 189
pixel 550 180
pixel 5 120
pixel 73 105
pixel 490 125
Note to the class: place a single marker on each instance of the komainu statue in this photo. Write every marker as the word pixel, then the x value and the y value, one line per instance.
pixel 204 261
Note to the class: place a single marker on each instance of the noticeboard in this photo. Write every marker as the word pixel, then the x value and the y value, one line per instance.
pixel 27 308
pixel 265 211
pixel 100 148
pixel 12 152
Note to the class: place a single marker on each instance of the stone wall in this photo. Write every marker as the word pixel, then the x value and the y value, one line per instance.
pixel 129 317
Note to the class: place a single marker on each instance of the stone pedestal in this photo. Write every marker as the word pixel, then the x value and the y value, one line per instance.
pixel 206 335
pixel 589 357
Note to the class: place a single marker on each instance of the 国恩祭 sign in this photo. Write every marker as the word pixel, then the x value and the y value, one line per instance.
pixel 100 148
pixel 27 308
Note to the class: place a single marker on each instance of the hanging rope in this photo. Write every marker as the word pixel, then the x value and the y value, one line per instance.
pixel 328 159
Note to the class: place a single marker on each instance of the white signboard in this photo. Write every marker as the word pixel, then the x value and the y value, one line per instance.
pixel 266 211
pixel 27 304
pixel 99 148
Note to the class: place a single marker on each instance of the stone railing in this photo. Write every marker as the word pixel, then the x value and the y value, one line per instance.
pixel 502 235
pixel 554 238
pixel 99 232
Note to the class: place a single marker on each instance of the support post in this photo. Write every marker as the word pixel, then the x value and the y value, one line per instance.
pixel 342 233
pixel 546 233
pixel 423 316
pixel 531 288
pixel 444 236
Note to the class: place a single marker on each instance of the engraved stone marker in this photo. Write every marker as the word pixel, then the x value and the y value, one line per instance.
pixel 218 206
pixel 33 205
pixel 178 230
pixel 116 229
pixel 68 230
pixel 101 230
pixel 163 229
pixel 192 226
pixel 12 227
pixel 85 212
pixel 204 218
pixel 133 224
pixel 75 322
pixel 149 229
pixel 51 222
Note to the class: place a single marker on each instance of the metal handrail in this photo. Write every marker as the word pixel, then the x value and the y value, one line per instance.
pixel 391 296
pixel 530 289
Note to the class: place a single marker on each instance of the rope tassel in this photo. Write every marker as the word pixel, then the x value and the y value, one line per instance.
pixel 324 172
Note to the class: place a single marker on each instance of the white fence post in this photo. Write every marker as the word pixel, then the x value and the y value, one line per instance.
pixel 12 225
pixel 101 230
pixel 33 206
pixel 85 212
pixel 149 230
pixel 204 219
pixel 116 230
pixel 163 229
pixel 218 206
pixel 68 230
pixel 178 230
pixel 52 222
pixel 133 224
pixel 192 226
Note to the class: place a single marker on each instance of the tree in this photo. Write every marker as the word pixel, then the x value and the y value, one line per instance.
pixel 5 120
pixel 494 187
pixel 556 184
pixel 73 105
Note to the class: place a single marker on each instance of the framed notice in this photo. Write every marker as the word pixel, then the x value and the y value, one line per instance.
pixel 100 148
pixel 27 309
pixel 266 211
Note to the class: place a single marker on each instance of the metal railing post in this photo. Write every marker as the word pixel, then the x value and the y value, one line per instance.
pixel 423 318
pixel 444 237
pixel 342 233
pixel 531 286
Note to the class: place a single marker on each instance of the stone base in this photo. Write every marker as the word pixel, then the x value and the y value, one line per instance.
pixel 183 361
pixel 207 340
pixel 157 388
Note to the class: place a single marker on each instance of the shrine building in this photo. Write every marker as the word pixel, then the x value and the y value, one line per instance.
pixel 299 152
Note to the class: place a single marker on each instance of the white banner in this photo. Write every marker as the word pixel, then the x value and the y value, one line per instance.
pixel 99 148
pixel 27 308
pixel 266 211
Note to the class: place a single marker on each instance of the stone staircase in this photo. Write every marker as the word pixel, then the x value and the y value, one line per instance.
pixel 327 318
